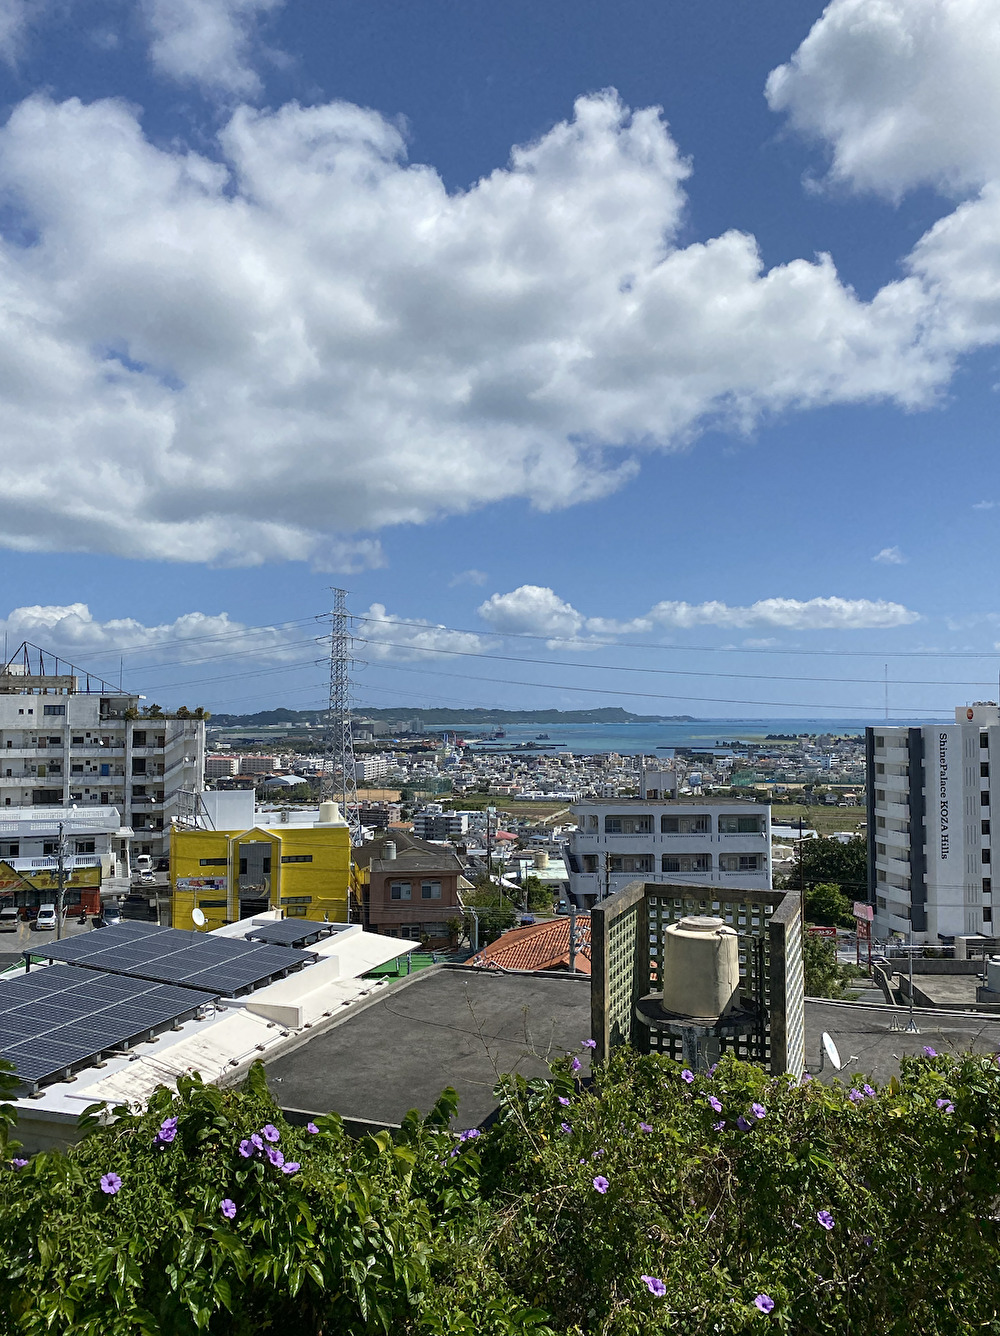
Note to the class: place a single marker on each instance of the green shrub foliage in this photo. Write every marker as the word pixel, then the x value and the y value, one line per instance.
pixel 649 1200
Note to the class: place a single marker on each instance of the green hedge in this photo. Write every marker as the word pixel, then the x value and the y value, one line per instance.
pixel 650 1200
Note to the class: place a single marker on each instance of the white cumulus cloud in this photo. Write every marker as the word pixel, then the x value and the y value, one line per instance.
pixel 272 354
pixel 210 43
pixel 385 635
pixel 890 556
pixel 537 610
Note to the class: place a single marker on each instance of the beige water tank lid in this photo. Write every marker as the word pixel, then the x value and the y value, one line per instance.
pixel 329 813
pixel 704 923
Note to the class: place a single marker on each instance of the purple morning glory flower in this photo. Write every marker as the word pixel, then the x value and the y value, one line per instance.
pixel 18 1163
pixel 855 1096
pixel 929 1052
pixel 715 1103
pixel 168 1125
pixel 227 1207
pixel 470 1135
pixel 256 1141
pixel 717 1127
pixel 645 1127
pixel 588 1043
pixel 246 1149
pixel 270 1133
pixel 312 1129
pixel 110 1184
pixel 575 1065
pixel 687 1075
pixel 758 1110
pixel 601 1184
pixel 597 1154
pixel 165 1136
pixel 290 1167
pixel 566 1127
pixel 825 1219
pixel 561 1099
pixel 742 1124
pixel 764 1302
pixel 947 1105
pixel 654 1286
pixel 275 1156
pixel 804 1078
pixel 868 1091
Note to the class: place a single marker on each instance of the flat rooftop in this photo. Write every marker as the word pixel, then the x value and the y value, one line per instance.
pixel 866 1043
pixel 446 1026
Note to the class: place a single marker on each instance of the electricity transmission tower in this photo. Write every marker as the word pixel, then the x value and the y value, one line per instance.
pixel 339 736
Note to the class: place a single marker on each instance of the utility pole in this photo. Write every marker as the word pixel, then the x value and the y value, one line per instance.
pixel 607 874
pixel 340 737
pixel 490 813
pixel 61 882
pixel 572 937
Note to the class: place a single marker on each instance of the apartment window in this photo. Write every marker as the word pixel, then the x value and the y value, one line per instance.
pixel 213 862
pixel 984 740
pixel 628 825
pixel 138 765
pixel 50 849
pixel 10 850
pixel 76 769
pixel 879 740
pixel 880 822
pixel 686 863
pixel 879 768
pixel 53 709
pixel 296 911
pixel 55 767
pixel 984 769
pixel 296 858
pixel 739 862
pixel 161 740
pixel 590 862
pixel 880 900
pixel 985 826
pixel 55 742
pixel 138 790
pixel 400 890
pixel 75 740
pixel 430 890
pixel 85 846
pixel 987 886
pixel 986 855
pixel 984 798
pixel 739 825
pixel 685 825
pixel 880 849
pixel 632 863
pixel 592 823
pixel 987 913
pixel 138 739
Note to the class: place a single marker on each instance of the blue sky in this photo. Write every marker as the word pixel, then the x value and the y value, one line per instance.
pixel 646 336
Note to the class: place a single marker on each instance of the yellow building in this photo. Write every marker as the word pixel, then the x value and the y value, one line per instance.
pixel 298 862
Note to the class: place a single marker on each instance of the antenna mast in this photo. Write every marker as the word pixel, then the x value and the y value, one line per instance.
pixel 339 736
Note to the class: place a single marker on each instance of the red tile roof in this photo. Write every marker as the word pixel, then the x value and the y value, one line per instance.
pixel 543 946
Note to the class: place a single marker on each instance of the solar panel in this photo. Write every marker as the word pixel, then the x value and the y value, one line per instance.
pixel 54 1019
pixel 222 965
pixel 293 932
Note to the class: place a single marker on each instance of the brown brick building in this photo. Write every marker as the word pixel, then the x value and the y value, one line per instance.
pixel 408 887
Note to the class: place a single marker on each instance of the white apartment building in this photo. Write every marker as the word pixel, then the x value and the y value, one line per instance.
pixel 221 767
pixel 434 823
pixel 68 738
pixel 930 800
pixel 259 765
pixel 91 837
pixel 667 839
pixel 367 769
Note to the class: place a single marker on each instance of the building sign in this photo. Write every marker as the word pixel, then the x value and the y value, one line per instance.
pixel 822 932
pixel 863 910
pixel 201 884
pixel 943 803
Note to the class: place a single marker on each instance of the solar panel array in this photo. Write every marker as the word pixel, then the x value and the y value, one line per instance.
pixel 52 1020
pixel 293 932
pixel 222 965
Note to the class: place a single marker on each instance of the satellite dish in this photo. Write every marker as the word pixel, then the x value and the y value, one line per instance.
pixel 199 921
pixel 831 1051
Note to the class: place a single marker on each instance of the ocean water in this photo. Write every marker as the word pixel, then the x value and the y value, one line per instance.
pixel 636 739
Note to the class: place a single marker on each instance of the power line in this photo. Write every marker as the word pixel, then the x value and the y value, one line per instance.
pixel 700 649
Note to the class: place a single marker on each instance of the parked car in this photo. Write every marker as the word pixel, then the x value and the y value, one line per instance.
pixel 45 919
pixel 10 917
pixel 143 865
pixel 110 915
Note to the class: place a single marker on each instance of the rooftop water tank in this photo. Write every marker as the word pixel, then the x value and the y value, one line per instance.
pixel 541 860
pixel 701 967
pixel 329 814
pixel 993 974
pixel 389 851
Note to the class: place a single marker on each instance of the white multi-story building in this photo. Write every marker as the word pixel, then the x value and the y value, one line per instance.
pixel 91 837
pixel 221 767
pixel 434 823
pixel 370 768
pixel 68 738
pixel 930 800
pixel 666 839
